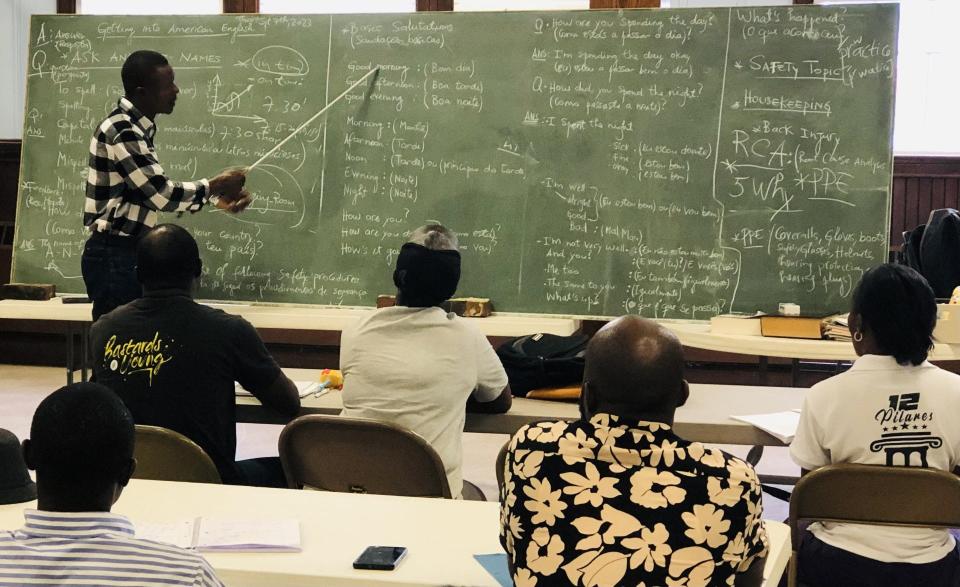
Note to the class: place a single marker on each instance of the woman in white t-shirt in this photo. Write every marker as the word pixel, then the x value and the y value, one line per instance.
pixel 891 408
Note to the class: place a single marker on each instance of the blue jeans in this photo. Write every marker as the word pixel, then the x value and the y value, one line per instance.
pixel 109 267
pixel 262 472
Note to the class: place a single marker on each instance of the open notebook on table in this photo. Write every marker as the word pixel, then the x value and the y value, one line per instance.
pixel 304 388
pixel 226 534
pixel 782 425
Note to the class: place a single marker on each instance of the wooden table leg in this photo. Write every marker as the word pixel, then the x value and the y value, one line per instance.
pixel 84 351
pixel 70 353
pixel 753 457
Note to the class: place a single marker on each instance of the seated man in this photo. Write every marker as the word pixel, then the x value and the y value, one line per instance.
pixel 174 361
pixel 416 365
pixel 616 498
pixel 81 446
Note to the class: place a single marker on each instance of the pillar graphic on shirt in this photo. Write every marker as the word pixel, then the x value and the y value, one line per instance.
pixel 905 431
pixel 137 356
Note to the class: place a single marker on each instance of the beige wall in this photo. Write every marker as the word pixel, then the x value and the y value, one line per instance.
pixel 14 37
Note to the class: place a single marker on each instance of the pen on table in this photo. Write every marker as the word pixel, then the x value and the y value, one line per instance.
pixel 322 389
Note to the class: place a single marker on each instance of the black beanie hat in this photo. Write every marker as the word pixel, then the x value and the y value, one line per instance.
pixel 426 277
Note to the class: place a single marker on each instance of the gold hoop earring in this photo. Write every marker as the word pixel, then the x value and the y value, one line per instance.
pixel 858 336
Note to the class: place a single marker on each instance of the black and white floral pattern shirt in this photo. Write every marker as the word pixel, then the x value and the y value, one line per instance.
pixel 616 502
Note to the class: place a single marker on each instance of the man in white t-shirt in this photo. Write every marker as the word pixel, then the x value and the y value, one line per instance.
pixel 892 408
pixel 416 365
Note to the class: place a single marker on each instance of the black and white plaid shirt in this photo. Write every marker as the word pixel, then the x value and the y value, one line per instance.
pixel 126 186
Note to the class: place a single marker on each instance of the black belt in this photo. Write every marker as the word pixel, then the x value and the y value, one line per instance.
pixel 114 240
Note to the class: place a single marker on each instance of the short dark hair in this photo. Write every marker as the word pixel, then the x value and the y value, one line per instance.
pixel 897 307
pixel 167 256
pixel 138 69
pixel 81 436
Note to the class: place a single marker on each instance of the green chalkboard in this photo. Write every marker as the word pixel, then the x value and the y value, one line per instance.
pixel 672 163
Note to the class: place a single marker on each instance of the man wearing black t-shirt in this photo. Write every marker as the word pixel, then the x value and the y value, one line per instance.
pixel 174 361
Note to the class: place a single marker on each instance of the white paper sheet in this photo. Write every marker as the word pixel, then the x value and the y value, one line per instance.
pixel 226 534
pixel 178 533
pixel 304 388
pixel 782 425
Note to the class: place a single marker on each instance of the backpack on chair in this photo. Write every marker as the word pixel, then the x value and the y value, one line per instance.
pixel 940 251
pixel 542 360
pixel 909 253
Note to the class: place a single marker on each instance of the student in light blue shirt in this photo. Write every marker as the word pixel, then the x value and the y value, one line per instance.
pixel 81 447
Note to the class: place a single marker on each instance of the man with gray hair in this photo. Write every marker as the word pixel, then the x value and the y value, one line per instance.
pixel 417 366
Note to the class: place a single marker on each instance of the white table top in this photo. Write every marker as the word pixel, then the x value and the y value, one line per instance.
pixel 704 418
pixel 292 317
pixel 441 535
pixel 53 309
pixel 698 335
pixel 295 317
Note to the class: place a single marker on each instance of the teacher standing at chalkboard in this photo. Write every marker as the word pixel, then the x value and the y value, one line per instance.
pixel 126 186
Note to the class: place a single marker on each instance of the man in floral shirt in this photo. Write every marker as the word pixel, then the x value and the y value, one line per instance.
pixel 616 498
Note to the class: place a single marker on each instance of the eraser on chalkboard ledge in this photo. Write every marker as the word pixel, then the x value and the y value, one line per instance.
pixel 469 307
pixel 27 291
pixel 75 300
pixel 466 307
pixel 787 309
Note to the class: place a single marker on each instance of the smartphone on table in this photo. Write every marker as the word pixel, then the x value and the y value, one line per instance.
pixel 380 558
